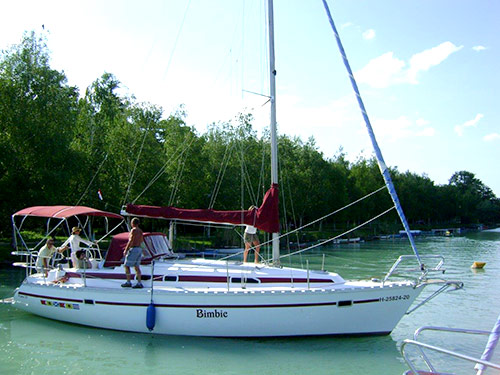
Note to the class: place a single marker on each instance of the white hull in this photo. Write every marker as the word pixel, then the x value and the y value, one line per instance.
pixel 257 310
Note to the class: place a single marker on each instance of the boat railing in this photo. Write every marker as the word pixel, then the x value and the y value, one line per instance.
pixel 31 257
pixel 480 363
pixel 30 260
pixel 424 270
pixel 94 253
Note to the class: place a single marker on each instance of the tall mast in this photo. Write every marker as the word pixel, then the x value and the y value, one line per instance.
pixel 274 140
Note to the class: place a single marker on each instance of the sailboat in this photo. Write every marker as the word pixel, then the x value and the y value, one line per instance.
pixel 222 298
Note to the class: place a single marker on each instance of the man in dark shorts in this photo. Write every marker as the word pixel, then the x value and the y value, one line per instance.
pixel 133 254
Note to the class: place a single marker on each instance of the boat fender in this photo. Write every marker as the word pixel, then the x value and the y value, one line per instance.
pixel 151 316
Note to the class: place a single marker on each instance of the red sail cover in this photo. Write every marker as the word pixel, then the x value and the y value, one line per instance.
pixel 265 218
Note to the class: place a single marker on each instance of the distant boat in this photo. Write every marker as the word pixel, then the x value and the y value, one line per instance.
pixel 413 232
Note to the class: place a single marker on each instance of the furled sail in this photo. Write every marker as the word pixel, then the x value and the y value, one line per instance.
pixel 265 217
pixel 381 163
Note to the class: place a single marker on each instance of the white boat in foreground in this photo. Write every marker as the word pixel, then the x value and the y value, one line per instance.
pixel 202 297
pixel 213 297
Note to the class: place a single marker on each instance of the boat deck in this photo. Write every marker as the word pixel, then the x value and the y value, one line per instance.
pixel 113 281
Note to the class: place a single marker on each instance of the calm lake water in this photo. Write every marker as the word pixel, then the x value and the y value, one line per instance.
pixel 34 345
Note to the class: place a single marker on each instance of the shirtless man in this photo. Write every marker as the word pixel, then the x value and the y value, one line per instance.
pixel 133 254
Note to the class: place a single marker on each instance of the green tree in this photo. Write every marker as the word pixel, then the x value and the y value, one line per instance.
pixel 364 178
pixel 107 141
pixel 127 145
pixel 37 115
pixel 238 164
pixel 417 195
pixel 475 201
pixel 310 182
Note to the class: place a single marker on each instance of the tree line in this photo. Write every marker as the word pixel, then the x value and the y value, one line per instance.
pixel 57 147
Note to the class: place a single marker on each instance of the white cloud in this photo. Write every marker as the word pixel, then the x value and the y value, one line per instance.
pixel 425 60
pixel 339 123
pixel 369 34
pixel 427 132
pixel 402 127
pixel 387 70
pixel 479 48
pixel 491 137
pixel 298 118
pixel 459 129
pixel 382 71
pixel 342 119
pixel 421 122
pixel 332 124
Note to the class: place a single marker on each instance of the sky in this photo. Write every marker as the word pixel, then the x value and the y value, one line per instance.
pixel 427 70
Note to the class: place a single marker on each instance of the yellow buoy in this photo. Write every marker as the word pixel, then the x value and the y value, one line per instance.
pixel 477 265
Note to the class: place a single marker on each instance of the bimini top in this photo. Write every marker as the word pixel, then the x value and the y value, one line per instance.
pixel 63 212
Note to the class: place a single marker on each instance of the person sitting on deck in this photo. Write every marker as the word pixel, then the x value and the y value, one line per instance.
pixel 81 260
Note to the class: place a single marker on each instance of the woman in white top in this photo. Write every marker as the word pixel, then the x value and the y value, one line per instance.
pixel 74 243
pixel 251 238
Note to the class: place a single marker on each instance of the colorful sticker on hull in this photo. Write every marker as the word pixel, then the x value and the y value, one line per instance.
pixel 64 305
